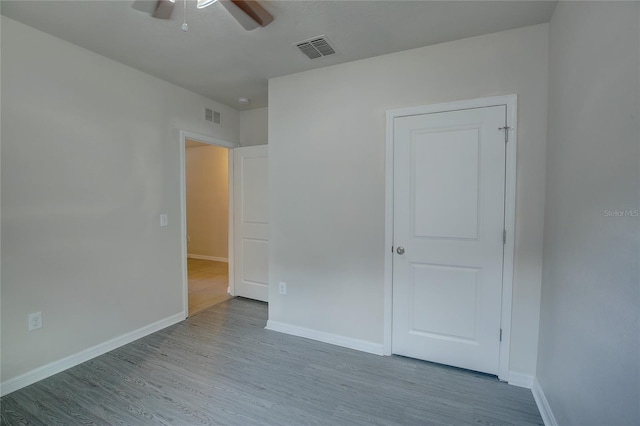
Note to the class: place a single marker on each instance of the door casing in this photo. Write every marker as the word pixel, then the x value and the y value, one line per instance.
pixel 184 135
pixel 509 214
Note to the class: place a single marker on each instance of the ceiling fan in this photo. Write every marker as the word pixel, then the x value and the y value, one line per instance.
pixel 249 13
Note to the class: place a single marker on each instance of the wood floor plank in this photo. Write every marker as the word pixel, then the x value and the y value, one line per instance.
pixel 208 282
pixel 221 367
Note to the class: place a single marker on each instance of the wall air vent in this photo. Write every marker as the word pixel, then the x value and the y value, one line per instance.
pixel 211 115
pixel 315 47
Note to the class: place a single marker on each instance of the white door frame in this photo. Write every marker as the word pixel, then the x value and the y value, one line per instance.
pixel 509 215
pixel 184 135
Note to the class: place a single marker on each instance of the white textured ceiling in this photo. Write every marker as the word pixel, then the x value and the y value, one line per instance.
pixel 218 59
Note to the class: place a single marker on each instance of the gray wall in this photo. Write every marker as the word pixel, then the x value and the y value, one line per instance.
pixel 253 127
pixel 90 159
pixel 588 350
pixel 327 178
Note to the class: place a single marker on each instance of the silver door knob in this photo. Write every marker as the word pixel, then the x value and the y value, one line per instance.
pixel 400 250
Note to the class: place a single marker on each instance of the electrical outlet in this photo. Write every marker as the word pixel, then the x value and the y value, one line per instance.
pixel 283 288
pixel 164 219
pixel 35 321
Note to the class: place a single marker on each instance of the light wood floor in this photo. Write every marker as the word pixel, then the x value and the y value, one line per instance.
pixel 208 283
pixel 221 367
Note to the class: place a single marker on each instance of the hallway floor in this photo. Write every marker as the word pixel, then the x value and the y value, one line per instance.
pixel 208 283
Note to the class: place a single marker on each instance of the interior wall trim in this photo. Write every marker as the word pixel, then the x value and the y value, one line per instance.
pixel 321 336
pixel 183 135
pixel 521 380
pixel 203 257
pixel 56 367
pixel 543 404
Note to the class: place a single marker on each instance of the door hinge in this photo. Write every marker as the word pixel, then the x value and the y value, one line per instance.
pixel 391 249
pixel 504 236
pixel 501 335
pixel 506 132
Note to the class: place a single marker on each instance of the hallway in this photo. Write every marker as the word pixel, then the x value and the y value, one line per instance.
pixel 208 283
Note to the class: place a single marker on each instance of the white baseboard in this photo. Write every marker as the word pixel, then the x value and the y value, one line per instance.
pixel 321 336
pixel 203 257
pixel 543 405
pixel 520 380
pixel 56 367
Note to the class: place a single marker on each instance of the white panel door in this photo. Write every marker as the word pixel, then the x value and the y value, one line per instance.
pixel 449 183
pixel 251 222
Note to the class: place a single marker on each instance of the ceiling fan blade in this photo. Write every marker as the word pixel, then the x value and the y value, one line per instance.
pixel 147 6
pixel 242 18
pixel 248 13
pixel 255 11
pixel 164 8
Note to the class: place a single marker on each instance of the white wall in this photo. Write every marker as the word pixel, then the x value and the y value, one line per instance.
pixel 253 127
pixel 90 158
pixel 327 177
pixel 588 362
pixel 207 199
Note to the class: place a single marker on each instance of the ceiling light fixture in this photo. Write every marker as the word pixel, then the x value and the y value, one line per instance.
pixel 244 101
pixel 249 13
pixel 204 3
pixel 184 27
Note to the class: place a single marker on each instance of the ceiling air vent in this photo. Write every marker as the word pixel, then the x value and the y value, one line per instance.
pixel 315 47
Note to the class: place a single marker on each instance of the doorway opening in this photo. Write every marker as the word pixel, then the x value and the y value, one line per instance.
pixel 207 219
pixel 207 200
